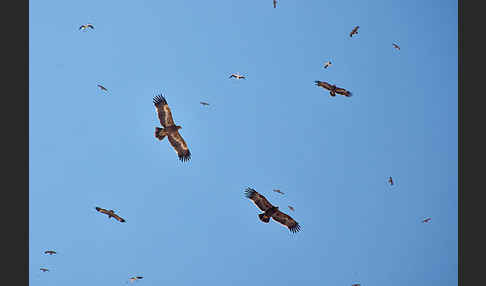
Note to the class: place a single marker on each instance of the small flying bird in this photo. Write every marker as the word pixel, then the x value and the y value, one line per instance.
pixel 204 103
pixel 135 278
pixel 170 129
pixel 102 87
pixel 427 219
pixel 327 64
pixel 396 46
pixel 237 76
pixel 110 214
pixel 291 208
pixel 50 252
pixel 356 284
pixel 278 191
pixel 274 3
pixel 84 27
pixel 390 181
pixel 44 269
pixel 270 211
pixel 333 89
pixel 354 31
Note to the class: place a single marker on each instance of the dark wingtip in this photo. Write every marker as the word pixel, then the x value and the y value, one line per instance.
pixel 295 228
pixel 349 94
pixel 185 157
pixel 159 99
pixel 249 192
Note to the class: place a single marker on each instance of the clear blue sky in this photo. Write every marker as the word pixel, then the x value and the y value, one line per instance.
pixel 189 223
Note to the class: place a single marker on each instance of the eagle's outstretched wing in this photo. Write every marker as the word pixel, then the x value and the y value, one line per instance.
pixel 323 84
pixel 163 111
pixel 343 92
pixel 101 210
pixel 118 218
pixel 179 145
pixel 286 220
pixel 260 201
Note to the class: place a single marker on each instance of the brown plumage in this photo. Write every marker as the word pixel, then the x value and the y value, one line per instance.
pixel 237 76
pixel 427 219
pixel 44 269
pixel 396 46
pixel 110 214
pixel 333 89
pixel 278 191
pixel 354 31
pixel 270 211
pixel 274 3
pixel 170 129
pixel 102 87
pixel 50 252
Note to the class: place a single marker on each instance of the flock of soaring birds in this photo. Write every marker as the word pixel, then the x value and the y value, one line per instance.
pixel 171 131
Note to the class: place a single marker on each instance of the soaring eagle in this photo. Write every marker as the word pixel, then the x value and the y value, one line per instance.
pixel 270 211
pixel 204 103
pixel 274 3
pixel 44 269
pixel 427 219
pixel 354 31
pixel 327 64
pixel 102 87
pixel 170 129
pixel 135 278
pixel 110 214
pixel 333 89
pixel 396 46
pixel 50 252
pixel 237 76
pixel 278 191
pixel 84 27
pixel 291 208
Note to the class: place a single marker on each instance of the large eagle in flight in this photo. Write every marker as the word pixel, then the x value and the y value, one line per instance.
pixel 333 89
pixel 170 129
pixel 110 214
pixel 270 211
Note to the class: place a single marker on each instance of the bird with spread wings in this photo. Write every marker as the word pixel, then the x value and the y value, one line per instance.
pixel 396 46
pixel 270 211
pixel 426 220
pixel 44 269
pixel 354 31
pixel 204 103
pixel 135 278
pixel 86 26
pixel 110 214
pixel 102 87
pixel 237 76
pixel 327 64
pixel 50 252
pixel 278 191
pixel 333 89
pixel 170 129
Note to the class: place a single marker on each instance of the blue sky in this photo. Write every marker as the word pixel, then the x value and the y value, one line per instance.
pixel 189 223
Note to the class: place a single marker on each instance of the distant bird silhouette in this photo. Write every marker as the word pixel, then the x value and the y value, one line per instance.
pixel 50 252
pixel 356 284
pixel 390 181
pixel 102 87
pixel 426 220
pixel 204 103
pixel 354 31
pixel 327 64
pixel 110 214
pixel 237 76
pixel 396 46
pixel 135 278
pixel 44 269
pixel 291 208
pixel 333 89
pixel 278 191
pixel 84 27
pixel 274 3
